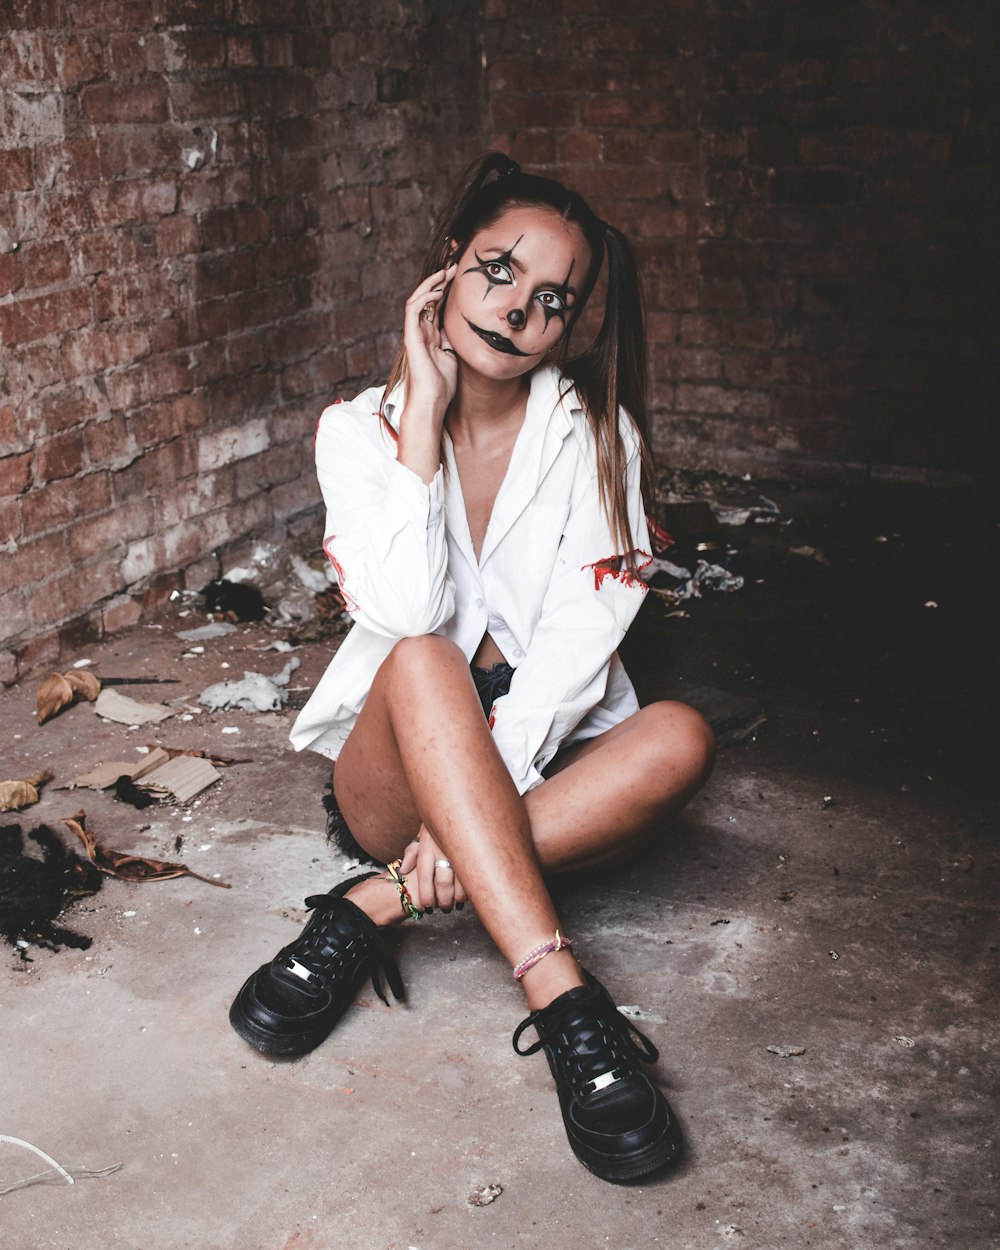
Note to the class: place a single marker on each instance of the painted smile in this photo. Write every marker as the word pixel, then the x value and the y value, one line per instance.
pixel 496 341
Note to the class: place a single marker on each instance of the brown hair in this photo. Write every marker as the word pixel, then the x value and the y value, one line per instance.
pixel 611 373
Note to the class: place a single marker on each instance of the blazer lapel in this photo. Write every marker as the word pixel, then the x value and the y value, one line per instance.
pixel 547 421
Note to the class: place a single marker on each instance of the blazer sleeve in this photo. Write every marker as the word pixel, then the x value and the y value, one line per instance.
pixel 385 528
pixel 588 606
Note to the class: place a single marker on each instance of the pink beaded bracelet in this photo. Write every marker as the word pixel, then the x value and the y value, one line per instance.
pixel 557 943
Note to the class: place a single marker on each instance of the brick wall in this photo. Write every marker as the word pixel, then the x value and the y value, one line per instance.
pixel 808 189
pixel 209 212
pixel 210 209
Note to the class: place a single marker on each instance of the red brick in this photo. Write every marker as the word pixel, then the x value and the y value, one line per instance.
pixel 61 456
pixel 131 56
pixel 72 593
pixel 106 534
pixel 241 50
pixel 109 443
pixel 92 351
pixel 41 649
pixel 164 466
pixel 32 319
pixel 59 410
pixel 15 170
pixel 208 98
pixel 82 60
pixel 15 474
pixel 121 102
pixel 46 264
pixel 513 112
pixel 120 613
pixel 176 236
pixel 65 502
pixel 36 560
pixel 11 273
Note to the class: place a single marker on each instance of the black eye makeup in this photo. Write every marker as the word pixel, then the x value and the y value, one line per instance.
pixel 497 272
pixel 554 300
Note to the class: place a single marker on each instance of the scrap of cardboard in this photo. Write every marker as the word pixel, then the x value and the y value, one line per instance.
pixel 119 707
pixel 104 776
pixel 183 777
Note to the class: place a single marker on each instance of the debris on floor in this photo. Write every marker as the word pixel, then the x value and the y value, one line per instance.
pixel 34 891
pixel 181 778
pixel 70 1173
pixel 255 693
pixel 675 583
pixel 314 580
pixel 60 690
pixel 483 1195
pixel 17 794
pixel 125 711
pixel 127 867
pixel 237 601
pixel 786 1051
pixel 104 776
pixel 214 629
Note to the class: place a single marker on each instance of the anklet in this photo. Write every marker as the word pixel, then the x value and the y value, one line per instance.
pixel 405 901
pixel 557 943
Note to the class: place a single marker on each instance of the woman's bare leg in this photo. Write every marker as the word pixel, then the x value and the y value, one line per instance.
pixel 421 751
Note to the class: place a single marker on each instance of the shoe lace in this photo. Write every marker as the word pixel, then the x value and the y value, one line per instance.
pixel 592 1043
pixel 330 947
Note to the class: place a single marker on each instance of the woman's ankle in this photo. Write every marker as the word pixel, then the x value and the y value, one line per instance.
pixel 378 898
pixel 550 977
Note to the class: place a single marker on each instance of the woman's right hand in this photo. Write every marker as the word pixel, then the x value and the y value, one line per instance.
pixel 431 364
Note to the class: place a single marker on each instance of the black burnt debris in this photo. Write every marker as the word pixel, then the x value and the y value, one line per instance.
pixel 34 891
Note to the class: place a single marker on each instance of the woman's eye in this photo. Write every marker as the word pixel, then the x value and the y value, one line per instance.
pixel 552 301
pixel 500 272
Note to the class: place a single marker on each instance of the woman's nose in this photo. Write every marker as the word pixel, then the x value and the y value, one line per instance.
pixel 515 318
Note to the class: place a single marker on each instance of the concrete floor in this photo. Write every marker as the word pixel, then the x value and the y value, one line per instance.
pixel 862 930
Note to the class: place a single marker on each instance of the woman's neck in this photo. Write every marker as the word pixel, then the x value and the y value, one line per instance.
pixel 483 406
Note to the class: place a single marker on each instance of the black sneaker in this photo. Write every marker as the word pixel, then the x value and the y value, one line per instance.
pixel 619 1124
pixel 291 1004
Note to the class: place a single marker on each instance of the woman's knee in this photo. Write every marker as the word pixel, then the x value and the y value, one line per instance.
pixel 424 655
pixel 680 741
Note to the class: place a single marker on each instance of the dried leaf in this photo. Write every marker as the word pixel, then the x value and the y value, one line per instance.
pixel 220 761
pixel 126 867
pixel 17 794
pixel 84 685
pixel 58 690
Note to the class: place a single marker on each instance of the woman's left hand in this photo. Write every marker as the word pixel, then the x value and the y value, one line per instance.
pixel 432 366
pixel 437 884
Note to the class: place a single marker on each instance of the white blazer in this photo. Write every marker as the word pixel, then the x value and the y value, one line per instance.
pixel 546 585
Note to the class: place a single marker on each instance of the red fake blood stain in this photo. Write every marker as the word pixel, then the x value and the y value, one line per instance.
pixel 387 427
pixel 615 568
pixel 493 716
pixel 349 601
pixel 661 538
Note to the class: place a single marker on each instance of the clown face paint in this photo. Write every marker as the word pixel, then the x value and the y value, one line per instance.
pixel 514 293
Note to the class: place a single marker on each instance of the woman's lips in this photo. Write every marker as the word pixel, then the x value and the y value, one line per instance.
pixel 496 341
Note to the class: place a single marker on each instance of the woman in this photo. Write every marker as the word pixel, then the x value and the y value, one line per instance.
pixel 485 509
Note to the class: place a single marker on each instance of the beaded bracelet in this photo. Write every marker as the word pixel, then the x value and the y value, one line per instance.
pixel 557 943
pixel 405 901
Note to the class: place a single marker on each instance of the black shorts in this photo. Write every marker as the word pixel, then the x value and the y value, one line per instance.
pixel 491 684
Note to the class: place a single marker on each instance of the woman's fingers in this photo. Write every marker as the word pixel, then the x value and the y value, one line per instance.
pixel 409 861
pixel 436 880
pixel 430 291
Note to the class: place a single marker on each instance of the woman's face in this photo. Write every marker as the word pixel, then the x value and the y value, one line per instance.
pixel 515 291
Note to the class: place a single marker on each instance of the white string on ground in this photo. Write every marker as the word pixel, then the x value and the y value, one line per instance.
pixel 57 1169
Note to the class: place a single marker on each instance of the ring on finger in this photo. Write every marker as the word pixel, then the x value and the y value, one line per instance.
pixel 442 863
